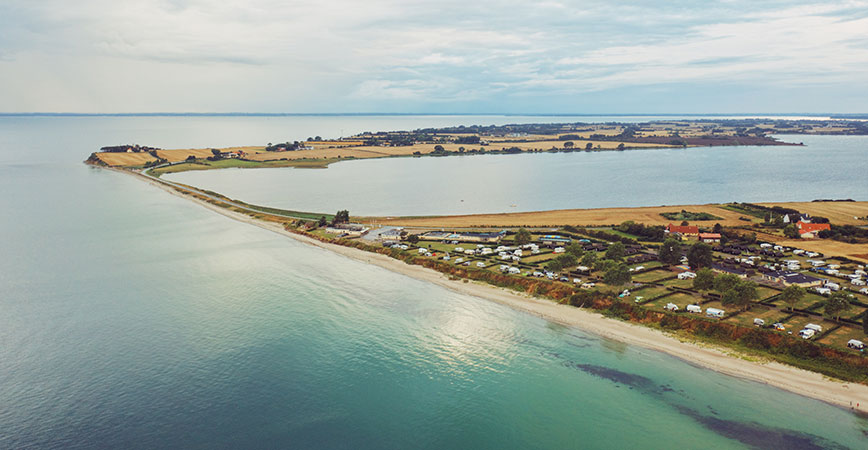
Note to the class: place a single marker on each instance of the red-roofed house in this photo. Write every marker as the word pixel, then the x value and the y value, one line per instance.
pixel 811 230
pixel 685 231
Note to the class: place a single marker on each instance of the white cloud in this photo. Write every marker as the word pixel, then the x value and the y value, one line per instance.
pixel 344 55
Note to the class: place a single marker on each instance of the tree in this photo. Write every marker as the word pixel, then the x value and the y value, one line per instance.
pixel 439 148
pixel 740 295
pixel 615 251
pixel 837 304
pixel 704 280
pixel 575 249
pixel 580 298
pixel 670 252
pixel 717 228
pixel 725 282
pixel 589 146
pixel 554 266
pixel 604 265
pixel 568 144
pixel 621 146
pixel 684 223
pixel 413 238
pixel 589 259
pixel 342 216
pixel 617 275
pixel 792 294
pixel 566 260
pixel 322 221
pixel 791 231
pixel 522 236
pixel 191 158
pixel 699 255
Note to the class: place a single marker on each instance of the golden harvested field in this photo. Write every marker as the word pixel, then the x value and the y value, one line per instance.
pixel 829 247
pixel 604 216
pixel 841 213
pixel 180 155
pixel 125 159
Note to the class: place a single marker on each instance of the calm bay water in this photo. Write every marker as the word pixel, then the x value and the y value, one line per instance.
pixel 131 318
pixel 826 167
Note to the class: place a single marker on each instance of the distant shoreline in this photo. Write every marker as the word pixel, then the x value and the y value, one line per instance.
pixel 429 114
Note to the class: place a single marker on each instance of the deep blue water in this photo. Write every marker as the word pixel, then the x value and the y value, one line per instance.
pixel 132 318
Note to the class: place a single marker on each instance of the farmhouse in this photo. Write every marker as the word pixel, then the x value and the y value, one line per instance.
pixel 793 278
pixel 348 229
pixel 232 154
pixel 809 230
pixel 685 232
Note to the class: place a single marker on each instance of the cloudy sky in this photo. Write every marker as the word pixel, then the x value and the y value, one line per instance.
pixel 507 56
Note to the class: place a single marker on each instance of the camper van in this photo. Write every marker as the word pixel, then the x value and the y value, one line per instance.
pixel 714 312
pixel 807 333
pixel 814 327
pixel 759 322
pixel 855 344
pixel 671 307
pixel 696 309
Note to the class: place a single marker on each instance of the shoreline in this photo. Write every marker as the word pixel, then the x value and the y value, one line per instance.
pixel 788 378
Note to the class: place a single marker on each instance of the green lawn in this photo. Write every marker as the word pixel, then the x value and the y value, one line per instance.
pixel 805 302
pixel 686 283
pixel 798 322
pixel 770 315
pixel 651 291
pixel 648 265
pixel 839 337
pixel 239 163
pixel 652 276
pixel 766 292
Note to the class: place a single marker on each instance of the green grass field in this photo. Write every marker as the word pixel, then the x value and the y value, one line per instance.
pixel 652 276
pixel 241 164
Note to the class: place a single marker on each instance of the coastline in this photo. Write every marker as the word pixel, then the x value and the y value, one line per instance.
pixel 788 378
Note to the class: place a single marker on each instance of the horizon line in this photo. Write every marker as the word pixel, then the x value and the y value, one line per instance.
pixel 283 114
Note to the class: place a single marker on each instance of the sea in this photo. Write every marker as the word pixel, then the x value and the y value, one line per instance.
pixel 131 318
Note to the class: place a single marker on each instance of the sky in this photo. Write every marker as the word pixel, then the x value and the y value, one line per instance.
pixel 404 56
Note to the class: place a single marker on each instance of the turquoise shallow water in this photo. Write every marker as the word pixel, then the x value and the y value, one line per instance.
pixel 131 318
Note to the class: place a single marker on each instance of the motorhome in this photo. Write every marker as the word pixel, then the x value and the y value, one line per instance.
pixel 714 312
pixel 815 327
pixel 671 307
pixel 856 344
pixel 696 309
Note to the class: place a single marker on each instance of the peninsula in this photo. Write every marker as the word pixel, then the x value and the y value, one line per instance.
pixel 505 139
pixel 780 285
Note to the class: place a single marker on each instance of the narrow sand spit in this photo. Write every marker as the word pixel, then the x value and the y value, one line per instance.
pixel 802 382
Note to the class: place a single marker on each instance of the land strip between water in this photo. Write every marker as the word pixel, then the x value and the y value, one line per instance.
pixel 724 360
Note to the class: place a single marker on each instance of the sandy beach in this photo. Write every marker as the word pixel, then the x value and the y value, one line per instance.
pixel 802 382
